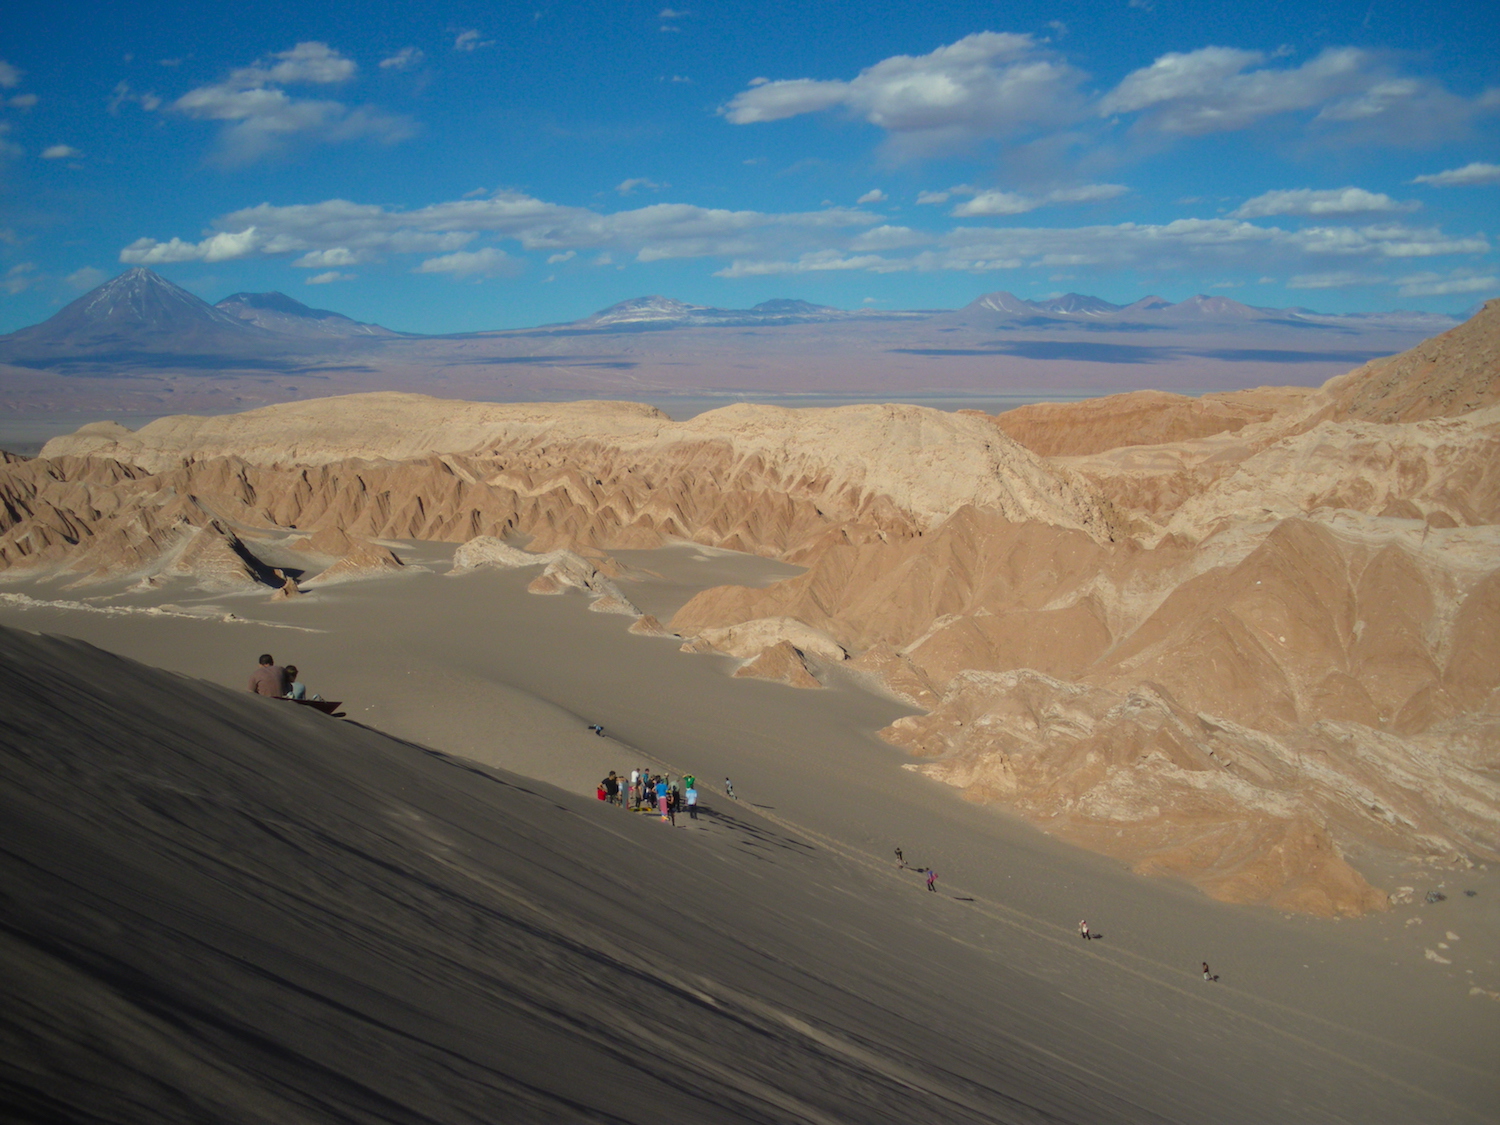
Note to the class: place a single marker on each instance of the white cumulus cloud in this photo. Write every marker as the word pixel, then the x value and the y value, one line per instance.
pixel 1306 201
pixel 336 256
pixel 887 237
pixel 985 85
pixel 1439 285
pixel 1220 89
pixel 1011 203
pixel 468 263
pixel 59 152
pixel 1341 279
pixel 260 117
pixel 874 195
pixel 1215 89
pixel 336 234
pixel 329 278
pixel 221 247
pixel 1469 175
pixel 819 261
pixel 404 59
pixel 470 41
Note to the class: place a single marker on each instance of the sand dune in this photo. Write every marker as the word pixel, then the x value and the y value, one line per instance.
pixel 224 906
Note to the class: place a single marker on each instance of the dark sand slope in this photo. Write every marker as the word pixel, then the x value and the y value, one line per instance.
pixel 218 907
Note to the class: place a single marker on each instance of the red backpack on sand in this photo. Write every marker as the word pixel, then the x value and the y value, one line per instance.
pixel 603 796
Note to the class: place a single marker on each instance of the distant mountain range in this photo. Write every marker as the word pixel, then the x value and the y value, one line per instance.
pixel 1002 310
pixel 142 326
pixel 648 313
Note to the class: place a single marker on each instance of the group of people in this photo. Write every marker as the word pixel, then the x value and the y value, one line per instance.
pixel 644 791
pixel 270 678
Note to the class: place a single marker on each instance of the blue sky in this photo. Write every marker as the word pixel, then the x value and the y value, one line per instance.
pixel 451 167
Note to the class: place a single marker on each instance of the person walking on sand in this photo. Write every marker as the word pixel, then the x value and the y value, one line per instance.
pixel 729 790
pixel 932 880
pixel 1207 974
pixel 269 678
pixel 1083 929
pixel 661 796
pixel 672 805
pixel 691 794
pixel 900 859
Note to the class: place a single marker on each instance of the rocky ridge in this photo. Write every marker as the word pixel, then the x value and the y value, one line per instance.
pixel 1241 655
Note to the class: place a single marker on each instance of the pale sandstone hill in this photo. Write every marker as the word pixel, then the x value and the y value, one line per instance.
pixel 777 482
pixel 1072 429
pixel 624 464
pixel 385 426
pixel 1334 448
pixel 1443 377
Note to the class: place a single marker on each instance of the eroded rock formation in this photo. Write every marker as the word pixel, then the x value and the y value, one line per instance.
pixel 1239 639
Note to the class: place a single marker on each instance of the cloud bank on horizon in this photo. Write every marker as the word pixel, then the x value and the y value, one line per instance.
pixel 496 170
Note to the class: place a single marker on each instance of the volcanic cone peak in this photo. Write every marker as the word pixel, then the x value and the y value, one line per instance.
pixel 137 302
pixel 645 308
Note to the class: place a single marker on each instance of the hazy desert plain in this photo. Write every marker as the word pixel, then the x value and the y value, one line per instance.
pixel 1217 674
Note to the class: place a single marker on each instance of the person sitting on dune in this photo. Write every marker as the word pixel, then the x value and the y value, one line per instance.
pixel 296 689
pixel 268 678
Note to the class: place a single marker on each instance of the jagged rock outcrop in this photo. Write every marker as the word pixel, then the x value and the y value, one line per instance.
pixel 562 571
pixel 647 625
pixel 782 663
pixel 361 560
pixel 289 586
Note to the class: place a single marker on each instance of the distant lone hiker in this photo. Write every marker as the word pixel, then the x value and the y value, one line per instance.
pixel 729 790
pixel 900 859
pixel 932 880
pixel 268 678
pixel 1207 975
pixel 1083 930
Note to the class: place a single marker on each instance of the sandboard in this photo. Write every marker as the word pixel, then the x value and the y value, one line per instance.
pixel 327 706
